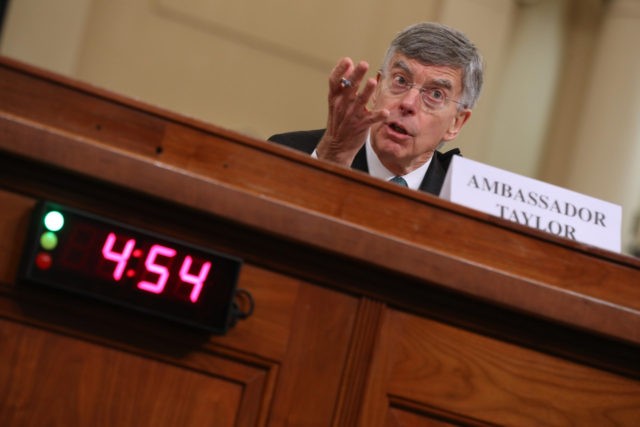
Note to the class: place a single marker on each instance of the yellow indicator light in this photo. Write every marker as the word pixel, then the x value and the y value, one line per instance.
pixel 48 240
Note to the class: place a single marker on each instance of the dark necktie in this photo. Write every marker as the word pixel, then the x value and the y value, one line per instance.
pixel 399 180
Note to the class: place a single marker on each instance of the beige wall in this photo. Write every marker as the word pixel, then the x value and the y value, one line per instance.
pixel 261 67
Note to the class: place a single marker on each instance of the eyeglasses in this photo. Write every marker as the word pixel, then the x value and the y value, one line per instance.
pixel 433 98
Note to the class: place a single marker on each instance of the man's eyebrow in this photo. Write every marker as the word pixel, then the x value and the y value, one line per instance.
pixel 443 83
pixel 403 66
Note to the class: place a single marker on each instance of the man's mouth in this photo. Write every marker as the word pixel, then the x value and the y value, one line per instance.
pixel 397 128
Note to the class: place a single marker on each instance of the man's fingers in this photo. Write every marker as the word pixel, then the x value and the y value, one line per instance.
pixel 343 68
pixel 378 116
pixel 348 113
pixel 363 98
pixel 346 77
pixel 351 82
pixel 358 73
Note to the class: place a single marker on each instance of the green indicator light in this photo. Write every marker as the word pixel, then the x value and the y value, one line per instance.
pixel 53 221
pixel 48 240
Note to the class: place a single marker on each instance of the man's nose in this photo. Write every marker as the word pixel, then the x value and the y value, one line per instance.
pixel 410 101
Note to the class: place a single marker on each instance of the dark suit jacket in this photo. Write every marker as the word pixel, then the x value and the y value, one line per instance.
pixel 307 140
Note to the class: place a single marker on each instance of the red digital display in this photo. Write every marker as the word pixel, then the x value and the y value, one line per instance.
pixel 100 258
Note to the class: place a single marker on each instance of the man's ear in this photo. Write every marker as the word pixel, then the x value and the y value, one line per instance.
pixel 456 124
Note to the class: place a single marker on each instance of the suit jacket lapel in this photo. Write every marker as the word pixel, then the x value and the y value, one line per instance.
pixel 434 178
pixel 360 161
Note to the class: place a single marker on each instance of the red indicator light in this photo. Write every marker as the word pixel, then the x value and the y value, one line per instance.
pixel 131 273
pixel 43 261
pixel 137 253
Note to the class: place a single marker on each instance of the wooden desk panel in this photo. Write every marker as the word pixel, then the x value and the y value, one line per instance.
pixel 440 372
pixel 52 379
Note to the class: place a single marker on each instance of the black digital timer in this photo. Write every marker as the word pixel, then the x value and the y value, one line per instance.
pixel 90 255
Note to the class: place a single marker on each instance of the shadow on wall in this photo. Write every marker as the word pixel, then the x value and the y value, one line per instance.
pixel 634 248
pixel 3 9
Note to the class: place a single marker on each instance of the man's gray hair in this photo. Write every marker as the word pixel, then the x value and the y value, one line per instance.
pixel 436 44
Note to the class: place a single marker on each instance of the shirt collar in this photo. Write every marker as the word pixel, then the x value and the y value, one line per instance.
pixel 377 169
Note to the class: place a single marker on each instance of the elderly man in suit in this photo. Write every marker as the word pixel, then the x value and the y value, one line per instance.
pixel 392 126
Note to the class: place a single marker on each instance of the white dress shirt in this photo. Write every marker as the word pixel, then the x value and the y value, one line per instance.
pixel 377 169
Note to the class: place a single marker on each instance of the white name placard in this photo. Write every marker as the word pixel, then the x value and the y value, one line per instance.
pixel 533 203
